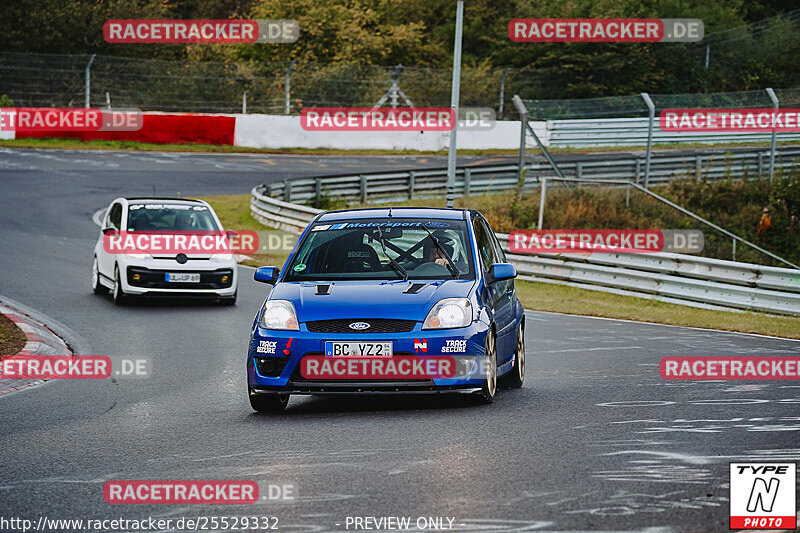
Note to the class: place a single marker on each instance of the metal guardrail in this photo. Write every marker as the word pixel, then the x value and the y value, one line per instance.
pixel 675 278
pixel 382 187
pixel 585 133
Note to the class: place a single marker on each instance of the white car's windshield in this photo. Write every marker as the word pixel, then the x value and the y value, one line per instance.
pixel 170 217
pixel 384 249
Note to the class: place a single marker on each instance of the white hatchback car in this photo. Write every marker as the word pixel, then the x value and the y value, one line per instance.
pixel 169 274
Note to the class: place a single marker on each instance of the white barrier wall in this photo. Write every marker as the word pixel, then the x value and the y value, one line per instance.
pixel 280 131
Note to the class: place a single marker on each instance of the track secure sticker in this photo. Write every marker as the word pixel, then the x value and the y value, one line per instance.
pixel 299 268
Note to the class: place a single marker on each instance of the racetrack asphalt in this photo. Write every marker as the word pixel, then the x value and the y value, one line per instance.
pixel 595 440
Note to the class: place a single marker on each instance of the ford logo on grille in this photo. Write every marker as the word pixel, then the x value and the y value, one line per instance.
pixel 359 325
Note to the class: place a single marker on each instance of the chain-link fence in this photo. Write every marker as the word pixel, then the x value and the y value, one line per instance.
pixel 745 56
pixel 53 80
pixel 634 120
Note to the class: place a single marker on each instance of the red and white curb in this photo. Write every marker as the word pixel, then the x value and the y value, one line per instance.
pixel 40 341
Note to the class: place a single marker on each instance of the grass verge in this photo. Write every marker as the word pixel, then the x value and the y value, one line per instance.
pixel 134 146
pixel 12 339
pixel 234 212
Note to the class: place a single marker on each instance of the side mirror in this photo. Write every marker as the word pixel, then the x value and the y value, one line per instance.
pixel 231 232
pixel 501 271
pixel 109 230
pixel 267 274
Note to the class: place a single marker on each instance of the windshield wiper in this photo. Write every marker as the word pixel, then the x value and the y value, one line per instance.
pixel 392 262
pixel 456 271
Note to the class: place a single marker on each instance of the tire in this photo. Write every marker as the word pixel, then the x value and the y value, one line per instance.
pixel 489 389
pixel 96 287
pixel 517 374
pixel 117 294
pixel 268 403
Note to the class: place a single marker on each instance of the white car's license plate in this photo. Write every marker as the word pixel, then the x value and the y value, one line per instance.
pixel 183 277
pixel 358 349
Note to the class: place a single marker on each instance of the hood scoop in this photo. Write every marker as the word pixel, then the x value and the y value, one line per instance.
pixel 323 289
pixel 414 288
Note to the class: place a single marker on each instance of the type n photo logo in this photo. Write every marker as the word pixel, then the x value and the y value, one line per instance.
pixel 763 496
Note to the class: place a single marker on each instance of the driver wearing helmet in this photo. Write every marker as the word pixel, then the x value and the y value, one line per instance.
pixel 436 255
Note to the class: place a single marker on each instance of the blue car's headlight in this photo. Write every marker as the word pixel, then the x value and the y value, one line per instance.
pixel 449 313
pixel 279 314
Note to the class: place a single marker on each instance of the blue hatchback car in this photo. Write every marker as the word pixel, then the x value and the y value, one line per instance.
pixel 388 300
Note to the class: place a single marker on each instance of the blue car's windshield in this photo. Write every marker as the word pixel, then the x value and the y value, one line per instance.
pixel 364 249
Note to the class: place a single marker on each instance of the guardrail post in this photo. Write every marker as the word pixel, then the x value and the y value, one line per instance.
pixel 697 167
pixel 363 188
pixel 455 91
pixel 287 103
pixel 760 163
pixel 287 190
pixel 734 249
pixel 637 171
pixel 523 120
pixel 244 103
pixel 502 91
pixel 775 105
pixel 467 180
pixel 317 192
pixel 627 195
pixel 411 179
pixel 652 113
pixel 87 81
pixel 543 192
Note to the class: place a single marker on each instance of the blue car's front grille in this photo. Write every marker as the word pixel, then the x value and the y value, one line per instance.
pixel 376 325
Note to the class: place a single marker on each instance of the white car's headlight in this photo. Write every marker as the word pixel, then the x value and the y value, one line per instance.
pixel 221 257
pixel 279 314
pixel 449 313
pixel 138 256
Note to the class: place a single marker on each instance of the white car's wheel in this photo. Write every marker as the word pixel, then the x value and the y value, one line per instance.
pixel 118 294
pixel 96 287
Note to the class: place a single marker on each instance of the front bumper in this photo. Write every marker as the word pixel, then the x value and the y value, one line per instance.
pixel 217 278
pixel 270 369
